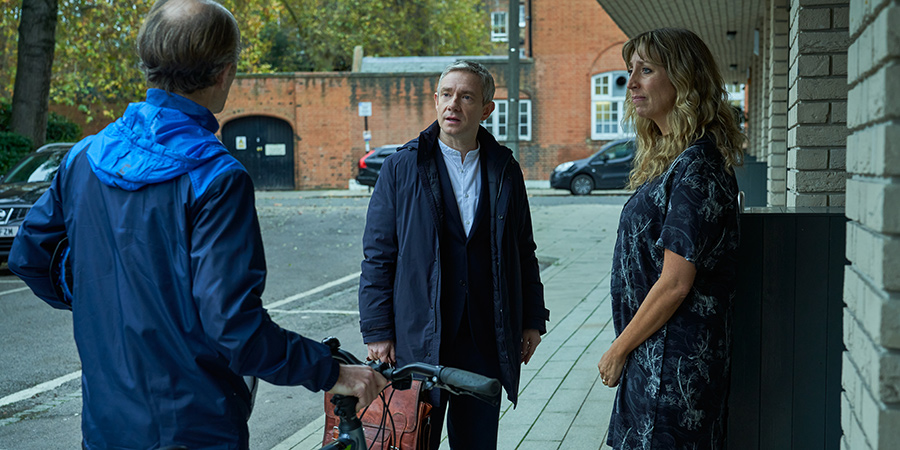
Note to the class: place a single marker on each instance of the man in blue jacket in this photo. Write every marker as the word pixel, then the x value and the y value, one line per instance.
pixel 450 275
pixel 168 263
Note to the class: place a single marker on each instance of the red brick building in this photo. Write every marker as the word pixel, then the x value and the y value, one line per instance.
pixel 304 130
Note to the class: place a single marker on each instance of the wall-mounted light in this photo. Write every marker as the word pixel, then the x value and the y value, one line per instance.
pixel 731 35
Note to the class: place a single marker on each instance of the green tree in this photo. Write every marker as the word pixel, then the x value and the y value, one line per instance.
pixel 37 30
pixel 95 63
pixel 325 31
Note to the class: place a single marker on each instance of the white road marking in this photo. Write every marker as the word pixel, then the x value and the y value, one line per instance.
pixel 53 384
pixel 12 291
pixel 320 311
pixel 321 288
pixel 43 387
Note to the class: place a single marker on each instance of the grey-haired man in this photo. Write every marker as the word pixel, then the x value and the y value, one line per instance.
pixel 450 276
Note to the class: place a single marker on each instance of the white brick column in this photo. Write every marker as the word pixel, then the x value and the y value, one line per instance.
pixel 870 403
pixel 757 132
pixel 776 155
pixel 766 85
pixel 817 103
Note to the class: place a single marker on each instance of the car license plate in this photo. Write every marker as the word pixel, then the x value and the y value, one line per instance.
pixel 8 231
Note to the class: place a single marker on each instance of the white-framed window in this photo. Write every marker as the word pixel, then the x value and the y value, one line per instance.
pixel 521 15
pixel 736 98
pixel 735 94
pixel 498 124
pixel 608 105
pixel 499 26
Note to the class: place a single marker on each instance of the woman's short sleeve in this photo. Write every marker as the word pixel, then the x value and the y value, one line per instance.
pixel 695 221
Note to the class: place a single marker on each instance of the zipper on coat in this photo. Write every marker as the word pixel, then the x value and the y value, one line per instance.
pixel 437 295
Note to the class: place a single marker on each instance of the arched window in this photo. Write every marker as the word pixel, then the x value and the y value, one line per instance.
pixel 608 105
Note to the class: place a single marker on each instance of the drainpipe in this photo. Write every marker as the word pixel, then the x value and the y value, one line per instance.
pixel 529 25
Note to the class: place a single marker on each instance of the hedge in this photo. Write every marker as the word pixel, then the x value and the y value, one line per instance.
pixel 14 146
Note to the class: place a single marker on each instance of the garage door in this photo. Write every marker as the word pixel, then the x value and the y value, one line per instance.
pixel 265 146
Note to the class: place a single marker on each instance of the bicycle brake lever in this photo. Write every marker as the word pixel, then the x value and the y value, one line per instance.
pixel 428 383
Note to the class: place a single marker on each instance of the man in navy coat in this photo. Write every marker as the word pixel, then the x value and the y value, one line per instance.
pixel 450 276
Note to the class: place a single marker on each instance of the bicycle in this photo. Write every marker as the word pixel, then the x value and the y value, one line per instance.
pixel 455 381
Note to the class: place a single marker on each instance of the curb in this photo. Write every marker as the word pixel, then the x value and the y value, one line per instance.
pixel 357 193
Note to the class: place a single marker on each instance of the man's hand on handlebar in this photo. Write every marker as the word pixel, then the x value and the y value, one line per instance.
pixel 361 382
pixel 382 351
pixel 456 381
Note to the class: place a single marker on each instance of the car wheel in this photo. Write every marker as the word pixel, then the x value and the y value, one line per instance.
pixel 582 185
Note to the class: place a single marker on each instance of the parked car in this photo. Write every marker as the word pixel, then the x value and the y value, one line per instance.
pixel 370 164
pixel 21 187
pixel 607 169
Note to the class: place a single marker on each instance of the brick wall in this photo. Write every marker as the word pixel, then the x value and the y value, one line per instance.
pixel 322 109
pixel 570 45
pixel 871 369
pixel 817 103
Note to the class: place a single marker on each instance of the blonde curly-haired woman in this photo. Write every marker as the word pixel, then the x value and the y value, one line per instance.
pixel 673 271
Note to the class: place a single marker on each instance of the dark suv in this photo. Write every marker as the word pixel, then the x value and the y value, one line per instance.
pixel 370 164
pixel 607 169
pixel 21 187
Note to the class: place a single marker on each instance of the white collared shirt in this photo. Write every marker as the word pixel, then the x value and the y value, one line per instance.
pixel 465 177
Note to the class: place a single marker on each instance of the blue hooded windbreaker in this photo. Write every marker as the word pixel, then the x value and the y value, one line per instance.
pixel 168 270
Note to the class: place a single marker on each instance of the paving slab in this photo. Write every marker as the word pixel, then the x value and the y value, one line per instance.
pixel 562 404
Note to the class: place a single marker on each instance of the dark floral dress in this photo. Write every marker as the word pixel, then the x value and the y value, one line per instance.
pixel 674 387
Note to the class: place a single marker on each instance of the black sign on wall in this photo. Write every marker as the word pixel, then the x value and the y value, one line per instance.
pixel 265 146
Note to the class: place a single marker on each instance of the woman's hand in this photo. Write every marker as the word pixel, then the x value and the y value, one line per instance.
pixel 611 365
pixel 664 298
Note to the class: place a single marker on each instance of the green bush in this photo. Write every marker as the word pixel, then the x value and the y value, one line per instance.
pixel 5 112
pixel 13 147
pixel 61 129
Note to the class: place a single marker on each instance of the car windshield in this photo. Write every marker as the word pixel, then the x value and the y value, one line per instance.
pixel 621 150
pixel 35 168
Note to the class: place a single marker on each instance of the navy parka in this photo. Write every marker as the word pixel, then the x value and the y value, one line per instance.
pixel 168 272
pixel 400 285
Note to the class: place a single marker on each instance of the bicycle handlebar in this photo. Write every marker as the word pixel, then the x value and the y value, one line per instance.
pixel 471 382
pixel 456 381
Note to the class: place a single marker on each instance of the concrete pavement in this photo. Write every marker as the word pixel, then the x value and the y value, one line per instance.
pixel 562 404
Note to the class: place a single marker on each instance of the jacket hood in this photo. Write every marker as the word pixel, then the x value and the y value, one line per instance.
pixel 156 140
